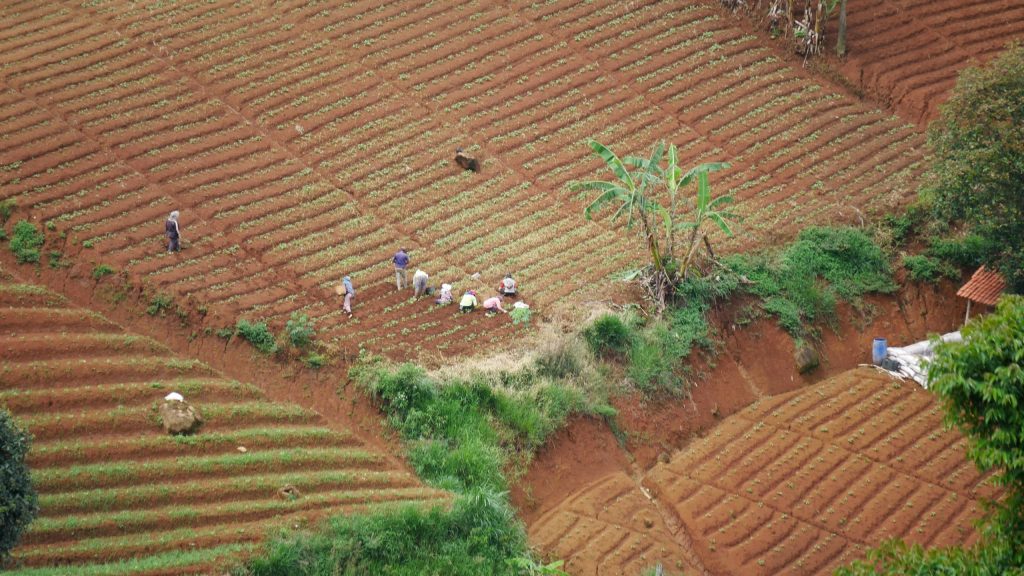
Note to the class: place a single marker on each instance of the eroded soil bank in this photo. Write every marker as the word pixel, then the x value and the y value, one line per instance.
pixel 753 362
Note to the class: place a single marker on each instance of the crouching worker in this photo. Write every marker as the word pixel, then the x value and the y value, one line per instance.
pixel 508 287
pixel 493 305
pixel 446 295
pixel 419 283
pixel 468 302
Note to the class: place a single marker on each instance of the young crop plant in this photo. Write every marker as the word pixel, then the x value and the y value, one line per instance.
pixel 158 304
pixel 101 270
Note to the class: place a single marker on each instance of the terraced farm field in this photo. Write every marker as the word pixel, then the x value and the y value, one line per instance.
pixel 798 483
pixel 118 495
pixel 909 52
pixel 303 141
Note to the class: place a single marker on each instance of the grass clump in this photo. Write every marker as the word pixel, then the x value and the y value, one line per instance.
pixel 476 536
pixel 101 270
pixel 26 240
pixel 6 209
pixel 158 304
pixel 922 268
pixel 257 334
pixel 801 285
pixel 608 336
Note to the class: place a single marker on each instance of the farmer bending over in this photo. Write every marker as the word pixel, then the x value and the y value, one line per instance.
pixel 468 302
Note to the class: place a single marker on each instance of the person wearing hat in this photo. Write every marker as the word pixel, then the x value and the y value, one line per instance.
pixel 172 232
pixel 419 283
pixel 446 295
pixel 508 287
pixel 468 302
pixel 401 260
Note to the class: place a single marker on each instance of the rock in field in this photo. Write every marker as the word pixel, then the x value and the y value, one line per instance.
pixel 180 417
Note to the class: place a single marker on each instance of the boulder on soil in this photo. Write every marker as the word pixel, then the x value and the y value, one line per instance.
pixel 289 492
pixel 806 357
pixel 180 417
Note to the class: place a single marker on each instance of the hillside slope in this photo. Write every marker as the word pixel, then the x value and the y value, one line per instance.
pixel 118 495
pixel 797 483
pixel 302 142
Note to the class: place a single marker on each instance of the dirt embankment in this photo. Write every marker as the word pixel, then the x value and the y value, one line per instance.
pixel 754 362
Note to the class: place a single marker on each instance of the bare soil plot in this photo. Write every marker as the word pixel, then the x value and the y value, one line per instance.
pixel 303 142
pixel 908 52
pixel 114 488
pixel 795 484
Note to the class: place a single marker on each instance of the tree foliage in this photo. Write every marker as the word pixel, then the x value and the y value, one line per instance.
pixel 18 500
pixel 978 172
pixel 981 382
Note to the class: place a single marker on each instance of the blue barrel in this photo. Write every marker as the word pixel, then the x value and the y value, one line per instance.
pixel 879 348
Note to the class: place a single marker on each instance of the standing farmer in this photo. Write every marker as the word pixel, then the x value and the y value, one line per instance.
pixel 171 231
pixel 419 283
pixel 401 260
pixel 350 293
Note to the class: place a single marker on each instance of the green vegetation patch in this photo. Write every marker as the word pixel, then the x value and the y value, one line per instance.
pixel 26 240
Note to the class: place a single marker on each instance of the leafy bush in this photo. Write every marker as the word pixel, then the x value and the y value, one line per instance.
pixel 258 335
pixel 158 304
pixel 300 330
pixel 969 251
pixel 927 269
pixel 477 536
pixel 608 336
pixel 520 315
pixel 101 270
pixel 18 500
pixel 26 241
pixel 801 284
pixel 315 360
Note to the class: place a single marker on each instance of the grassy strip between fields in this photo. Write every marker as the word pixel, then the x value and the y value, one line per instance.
pixel 107 499
pixel 91 475
pixel 166 561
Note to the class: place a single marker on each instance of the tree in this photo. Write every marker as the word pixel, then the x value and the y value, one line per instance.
pixel 977 176
pixel 633 190
pixel 18 500
pixel 981 382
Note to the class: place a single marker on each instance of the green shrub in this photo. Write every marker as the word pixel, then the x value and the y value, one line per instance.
pixel 970 251
pixel 26 241
pixel 101 270
pixel 608 336
pixel 158 304
pixel 226 333
pixel 258 335
pixel 801 284
pixel 300 330
pixel 315 360
pixel 477 535
pixel 6 209
pixel 18 500
pixel 520 315
pixel 923 268
pixel 652 362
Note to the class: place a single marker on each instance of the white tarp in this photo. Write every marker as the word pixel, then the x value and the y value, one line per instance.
pixel 908 361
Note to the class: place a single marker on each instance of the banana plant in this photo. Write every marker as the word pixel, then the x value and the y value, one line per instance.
pixel 631 192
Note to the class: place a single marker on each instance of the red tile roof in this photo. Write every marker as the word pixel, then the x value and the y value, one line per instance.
pixel 984 287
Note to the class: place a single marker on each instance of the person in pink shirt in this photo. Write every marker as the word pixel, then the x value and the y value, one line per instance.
pixel 493 305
